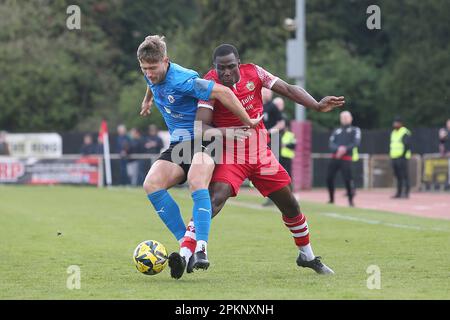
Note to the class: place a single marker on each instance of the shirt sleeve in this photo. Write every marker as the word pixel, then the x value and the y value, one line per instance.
pixel 206 104
pixel 197 88
pixel 266 77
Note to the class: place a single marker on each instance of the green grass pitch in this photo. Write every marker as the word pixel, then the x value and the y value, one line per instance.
pixel 251 252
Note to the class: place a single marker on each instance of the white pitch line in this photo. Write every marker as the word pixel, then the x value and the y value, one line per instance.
pixel 249 205
pixel 369 221
pixel 340 216
pixel 328 214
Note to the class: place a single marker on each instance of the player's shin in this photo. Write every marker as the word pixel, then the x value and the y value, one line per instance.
pixel 169 212
pixel 202 217
pixel 299 229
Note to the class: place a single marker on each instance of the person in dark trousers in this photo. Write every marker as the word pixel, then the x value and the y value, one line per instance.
pixel 344 142
pixel 123 145
pixel 444 140
pixel 135 167
pixel 400 153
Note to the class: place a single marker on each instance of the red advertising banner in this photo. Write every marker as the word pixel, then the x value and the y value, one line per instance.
pixel 81 171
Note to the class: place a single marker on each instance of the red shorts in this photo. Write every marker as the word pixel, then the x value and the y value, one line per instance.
pixel 267 175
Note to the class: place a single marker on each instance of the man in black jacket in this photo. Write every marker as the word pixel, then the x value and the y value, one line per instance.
pixel 344 142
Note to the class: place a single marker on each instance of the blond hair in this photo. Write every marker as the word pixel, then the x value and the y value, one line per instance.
pixel 152 49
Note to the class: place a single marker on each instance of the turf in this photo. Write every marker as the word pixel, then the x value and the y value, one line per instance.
pixel 44 230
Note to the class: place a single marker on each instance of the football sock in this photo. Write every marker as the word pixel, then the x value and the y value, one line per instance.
pixel 201 214
pixel 307 251
pixel 201 246
pixel 299 230
pixel 189 242
pixel 168 211
pixel 186 254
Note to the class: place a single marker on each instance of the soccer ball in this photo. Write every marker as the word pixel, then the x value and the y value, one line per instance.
pixel 150 257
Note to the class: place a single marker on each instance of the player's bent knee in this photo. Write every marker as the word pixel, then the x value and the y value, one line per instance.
pixel 197 183
pixel 199 177
pixel 151 185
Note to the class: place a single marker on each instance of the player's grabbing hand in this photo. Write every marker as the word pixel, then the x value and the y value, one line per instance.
pixel 330 102
pixel 254 122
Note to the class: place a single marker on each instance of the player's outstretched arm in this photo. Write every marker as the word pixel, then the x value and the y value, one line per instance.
pixel 232 103
pixel 301 96
pixel 146 105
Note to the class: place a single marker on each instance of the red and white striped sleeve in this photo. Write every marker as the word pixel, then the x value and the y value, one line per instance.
pixel 266 77
pixel 206 104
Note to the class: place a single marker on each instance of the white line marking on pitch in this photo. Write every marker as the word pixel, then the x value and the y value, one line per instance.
pixel 250 206
pixel 370 221
pixel 328 214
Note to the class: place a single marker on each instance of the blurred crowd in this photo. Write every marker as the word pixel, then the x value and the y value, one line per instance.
pixel 128 142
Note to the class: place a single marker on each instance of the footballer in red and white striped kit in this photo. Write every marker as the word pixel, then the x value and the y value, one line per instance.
pixel 269 177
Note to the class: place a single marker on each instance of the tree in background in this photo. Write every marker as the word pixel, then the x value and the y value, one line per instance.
pixel 52 78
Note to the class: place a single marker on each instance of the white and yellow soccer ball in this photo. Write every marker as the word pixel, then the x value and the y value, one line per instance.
pixel 150 257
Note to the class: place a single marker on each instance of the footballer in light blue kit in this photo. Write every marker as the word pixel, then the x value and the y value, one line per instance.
pixel 176 97
pixel 176 91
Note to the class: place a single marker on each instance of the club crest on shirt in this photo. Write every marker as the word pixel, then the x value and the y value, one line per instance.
pixel 250 86
pixel 171 98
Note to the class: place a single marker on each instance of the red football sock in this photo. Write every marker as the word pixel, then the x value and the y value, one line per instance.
pixel 189 240
pixel 299 229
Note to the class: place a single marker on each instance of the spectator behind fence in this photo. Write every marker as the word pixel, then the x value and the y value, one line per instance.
pixel 444 140
pixel 153 142
pixel 89 147
pixel 344 142
pixel 400 153
pixel 273 116
pixel 4 148
pixel 123 148
pixel 135 167
pixel 273 121
pixel 287 154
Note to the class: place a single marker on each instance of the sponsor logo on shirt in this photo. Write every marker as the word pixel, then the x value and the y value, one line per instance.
pixel 248 99
pixel 177 115
pixel 173 114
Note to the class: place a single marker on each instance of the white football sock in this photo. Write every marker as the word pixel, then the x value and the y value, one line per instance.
pixel 185 253
pixel 201 246
pixel 307 251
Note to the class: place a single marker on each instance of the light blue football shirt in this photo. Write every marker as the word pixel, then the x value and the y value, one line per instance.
pixel 176 97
